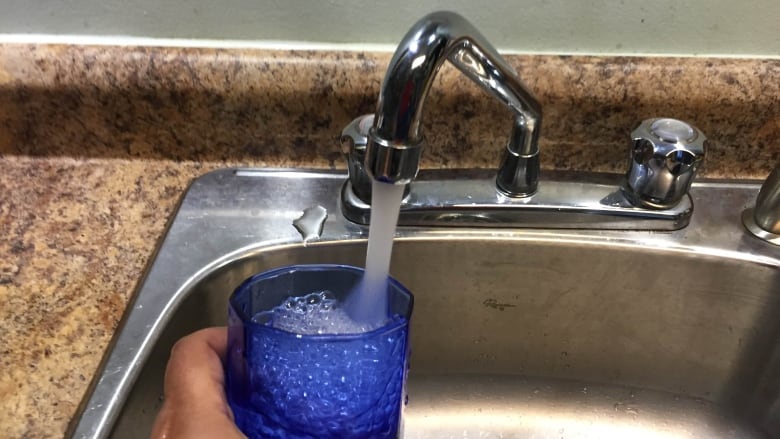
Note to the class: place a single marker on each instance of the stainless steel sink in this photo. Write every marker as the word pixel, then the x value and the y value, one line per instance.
pixel 516 333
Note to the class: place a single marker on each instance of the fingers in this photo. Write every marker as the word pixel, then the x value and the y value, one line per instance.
pixel 194 374
pixel 195 406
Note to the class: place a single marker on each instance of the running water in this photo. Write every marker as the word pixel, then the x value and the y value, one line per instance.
pixel 368 304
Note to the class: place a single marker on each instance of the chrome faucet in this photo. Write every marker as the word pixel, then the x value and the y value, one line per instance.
pixel 395 141
pixel 387 146
pixel 764 219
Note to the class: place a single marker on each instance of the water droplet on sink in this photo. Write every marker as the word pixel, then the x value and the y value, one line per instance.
pixel 625 408
pixel 311 223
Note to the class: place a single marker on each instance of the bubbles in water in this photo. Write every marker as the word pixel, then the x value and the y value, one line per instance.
pixel 314 313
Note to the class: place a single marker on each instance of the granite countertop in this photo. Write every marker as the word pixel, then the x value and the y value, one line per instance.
pixel 97 145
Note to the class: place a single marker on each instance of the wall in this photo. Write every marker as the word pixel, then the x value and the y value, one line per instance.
pixel 681 27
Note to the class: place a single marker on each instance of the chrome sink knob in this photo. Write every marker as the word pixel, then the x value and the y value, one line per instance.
pixel 665 155
pixel 354 138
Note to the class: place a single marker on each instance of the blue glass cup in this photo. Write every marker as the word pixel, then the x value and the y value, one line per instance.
pixel 285 383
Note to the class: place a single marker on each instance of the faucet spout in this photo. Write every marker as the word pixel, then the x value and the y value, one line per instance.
pixel 395 141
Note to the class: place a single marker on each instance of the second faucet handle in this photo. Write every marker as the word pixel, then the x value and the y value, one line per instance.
pixel 665 155
pixel 354 138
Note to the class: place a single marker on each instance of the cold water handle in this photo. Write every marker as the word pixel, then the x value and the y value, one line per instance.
pixel 665 154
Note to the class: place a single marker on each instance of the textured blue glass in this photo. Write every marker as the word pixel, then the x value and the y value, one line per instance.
pixel 284 385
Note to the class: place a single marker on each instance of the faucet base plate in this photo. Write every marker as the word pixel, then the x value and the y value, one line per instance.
pixel 569 201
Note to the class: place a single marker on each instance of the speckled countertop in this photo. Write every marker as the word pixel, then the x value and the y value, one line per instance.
pixel 97 145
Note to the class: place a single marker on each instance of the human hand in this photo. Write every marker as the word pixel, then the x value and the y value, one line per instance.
pixel 195 406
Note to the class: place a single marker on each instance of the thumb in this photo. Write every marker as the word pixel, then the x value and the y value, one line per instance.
pixel 195 405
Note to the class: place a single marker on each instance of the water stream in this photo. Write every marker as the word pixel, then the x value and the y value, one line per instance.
pixel 369 303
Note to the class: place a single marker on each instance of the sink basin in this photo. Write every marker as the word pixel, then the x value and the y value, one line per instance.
pixel 528 333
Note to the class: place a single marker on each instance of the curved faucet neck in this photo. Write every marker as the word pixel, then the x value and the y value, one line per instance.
pixel 395 140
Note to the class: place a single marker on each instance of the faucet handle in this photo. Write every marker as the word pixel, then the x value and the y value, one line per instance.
pixel 354 138
pixel 665 155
